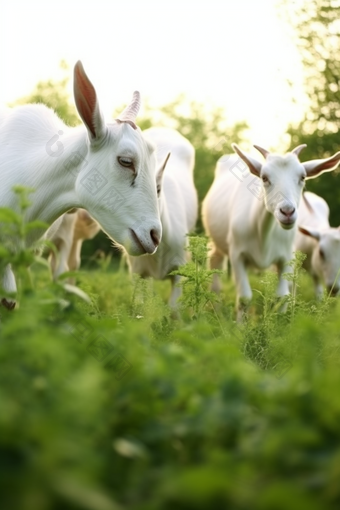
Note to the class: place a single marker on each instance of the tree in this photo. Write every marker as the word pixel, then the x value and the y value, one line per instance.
pixel 317 28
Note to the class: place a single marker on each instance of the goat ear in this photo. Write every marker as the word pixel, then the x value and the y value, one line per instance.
pixel 309 232
pixel 252 163
pixel 160 172
pixel 87 104
pixel 318 166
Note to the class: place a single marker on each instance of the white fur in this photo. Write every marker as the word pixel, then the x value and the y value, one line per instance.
pixel 320 243
pixel 79 167
pixel 254 222
pixel 178 208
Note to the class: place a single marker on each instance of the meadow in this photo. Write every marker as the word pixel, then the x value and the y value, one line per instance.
pixel 107 402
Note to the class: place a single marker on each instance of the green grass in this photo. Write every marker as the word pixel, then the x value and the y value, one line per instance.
pixel 111 404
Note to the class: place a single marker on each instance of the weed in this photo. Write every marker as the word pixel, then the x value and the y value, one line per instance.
pixel 196 277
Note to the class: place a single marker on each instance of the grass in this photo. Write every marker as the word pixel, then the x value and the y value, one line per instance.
pixel 111 404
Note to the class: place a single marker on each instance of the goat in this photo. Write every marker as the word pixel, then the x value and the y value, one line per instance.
pixel 75 227
pixel 250 213
pixel 320 243
pixel 107 169
pixel 178 206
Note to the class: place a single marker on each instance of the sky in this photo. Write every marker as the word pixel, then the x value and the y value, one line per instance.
pixel 237 54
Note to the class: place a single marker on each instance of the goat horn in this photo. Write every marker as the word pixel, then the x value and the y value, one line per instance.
pixel 298 149
pixel 264 152
pixel 130 113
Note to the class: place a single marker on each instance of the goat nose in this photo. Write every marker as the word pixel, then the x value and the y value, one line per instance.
pixel 155 237
pixel 287 211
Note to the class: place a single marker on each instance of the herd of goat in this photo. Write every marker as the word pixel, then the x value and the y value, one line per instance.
pixel 138 187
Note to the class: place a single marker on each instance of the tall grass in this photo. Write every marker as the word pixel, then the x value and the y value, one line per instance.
pixel 107 403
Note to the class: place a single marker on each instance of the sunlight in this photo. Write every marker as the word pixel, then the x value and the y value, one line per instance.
pixel 238 55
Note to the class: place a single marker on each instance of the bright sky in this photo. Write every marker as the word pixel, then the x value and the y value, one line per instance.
pixel 232 53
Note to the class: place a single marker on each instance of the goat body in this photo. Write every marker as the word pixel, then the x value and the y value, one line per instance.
pixel 107 169
pixel 178 206
pixel 250 213
pixel 74 229
pixel 320 242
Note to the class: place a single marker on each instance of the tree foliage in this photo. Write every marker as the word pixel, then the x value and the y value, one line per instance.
pixel 317 27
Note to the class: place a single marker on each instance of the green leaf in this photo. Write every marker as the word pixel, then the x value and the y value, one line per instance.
pixel 36 225
pixel 9 216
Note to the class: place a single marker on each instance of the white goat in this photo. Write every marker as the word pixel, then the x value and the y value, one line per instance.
pixel 177 205
pixel 74 229
pixel 108 169
pixel 320 243
pixel 251 217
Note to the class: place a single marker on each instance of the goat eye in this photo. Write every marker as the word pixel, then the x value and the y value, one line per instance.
pixel 126 162
pixel 158 190
pixel 322 253
pixel 303 178
pixel 265 179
